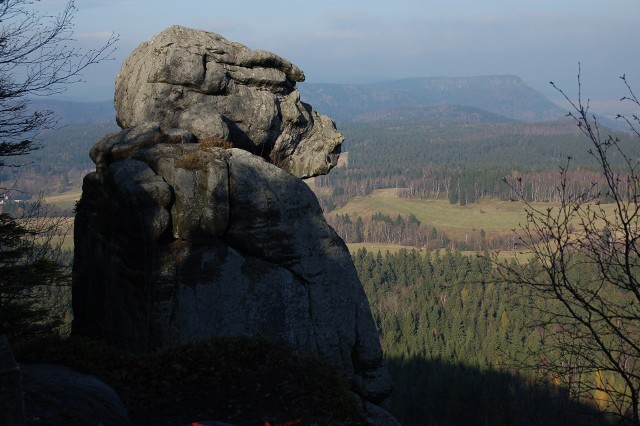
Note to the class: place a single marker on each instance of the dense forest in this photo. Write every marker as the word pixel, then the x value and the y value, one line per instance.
pixel 458 343
pixel 461 162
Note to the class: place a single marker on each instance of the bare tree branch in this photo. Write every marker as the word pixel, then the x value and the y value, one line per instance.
pixel 584 272
pixel 37 58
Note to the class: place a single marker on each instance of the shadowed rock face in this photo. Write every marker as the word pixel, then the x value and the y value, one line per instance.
pixel 203 83
pixel 178 241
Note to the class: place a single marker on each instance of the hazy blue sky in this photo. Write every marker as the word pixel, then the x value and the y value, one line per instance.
pixel 353 40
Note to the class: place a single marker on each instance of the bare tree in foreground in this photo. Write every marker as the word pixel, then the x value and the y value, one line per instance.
pixel 584 271
pixel 36 59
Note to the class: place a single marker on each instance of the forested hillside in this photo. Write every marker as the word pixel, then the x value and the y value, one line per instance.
pixel 461 162
pixel 457 342
pixel 456 338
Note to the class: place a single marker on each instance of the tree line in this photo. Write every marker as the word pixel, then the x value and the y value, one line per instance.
pixel 457 340
pixel 462 163
pixel 409 231
pixel 560 326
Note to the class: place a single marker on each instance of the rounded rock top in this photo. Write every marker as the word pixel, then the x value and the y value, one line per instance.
pixel 212 87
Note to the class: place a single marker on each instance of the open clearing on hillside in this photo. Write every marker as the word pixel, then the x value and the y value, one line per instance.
pixel 496 217
pixel 66 200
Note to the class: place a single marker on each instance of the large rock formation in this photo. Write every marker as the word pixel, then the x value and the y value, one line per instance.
pixel 178 240
pixel 201 82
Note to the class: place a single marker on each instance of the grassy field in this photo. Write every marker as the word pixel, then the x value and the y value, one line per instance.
pixel 497 218
pixel 494 216
pixel 66 234
pixel 66 200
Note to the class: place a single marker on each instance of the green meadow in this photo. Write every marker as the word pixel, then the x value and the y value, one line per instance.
pixel 494 216
pixel 65 201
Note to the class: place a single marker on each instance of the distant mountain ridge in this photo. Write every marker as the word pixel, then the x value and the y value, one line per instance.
pixel 72 112
pixel 504 95
pixel 442 114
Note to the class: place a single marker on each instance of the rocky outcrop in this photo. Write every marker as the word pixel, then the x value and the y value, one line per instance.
pixel 47 394
pixel 203 83
pixel 176 242
pixel 180 239
pixel 55 395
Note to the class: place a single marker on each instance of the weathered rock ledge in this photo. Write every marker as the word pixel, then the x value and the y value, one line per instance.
pixel 203 83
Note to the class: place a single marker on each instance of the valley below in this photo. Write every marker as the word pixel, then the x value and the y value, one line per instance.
pixel 427 198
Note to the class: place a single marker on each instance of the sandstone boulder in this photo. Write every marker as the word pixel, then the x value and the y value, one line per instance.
pixel 177 242
pixel 212 87
pixel 196 223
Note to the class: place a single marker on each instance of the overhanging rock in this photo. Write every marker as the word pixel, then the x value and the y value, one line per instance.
pixel 201 82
